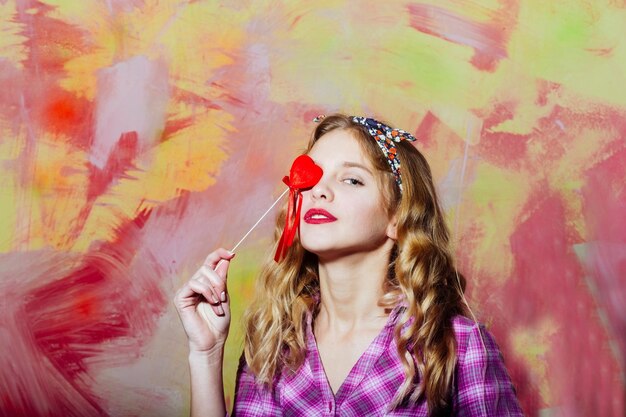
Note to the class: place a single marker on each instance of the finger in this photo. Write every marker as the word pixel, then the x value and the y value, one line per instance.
pixel 217 283
pixel 203 274
pixel 184 292
pixel 206 310
pixel 222 268
pixel 216 256
pixel 183 297
pixel 188 294
pixel 211 294
pixel 203 288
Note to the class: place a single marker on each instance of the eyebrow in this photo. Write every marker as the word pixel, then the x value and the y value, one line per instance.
pixel 357 165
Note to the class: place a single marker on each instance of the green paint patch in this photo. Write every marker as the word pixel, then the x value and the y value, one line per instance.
pixel 241 278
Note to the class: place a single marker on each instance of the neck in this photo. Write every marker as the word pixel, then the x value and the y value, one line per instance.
pixel 350 287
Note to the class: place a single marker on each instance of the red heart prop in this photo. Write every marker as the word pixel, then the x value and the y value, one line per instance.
pixel 303 173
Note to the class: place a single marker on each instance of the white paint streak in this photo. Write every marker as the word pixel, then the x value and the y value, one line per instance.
pixel 132 96
pixel 462 178
pixel 456 221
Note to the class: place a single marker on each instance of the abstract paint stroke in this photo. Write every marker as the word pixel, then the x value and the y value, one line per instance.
pixel 136 136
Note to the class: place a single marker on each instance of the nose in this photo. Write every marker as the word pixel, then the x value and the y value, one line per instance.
pixel 321 191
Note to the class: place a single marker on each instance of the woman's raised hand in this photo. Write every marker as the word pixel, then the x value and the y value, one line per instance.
pixel 203 303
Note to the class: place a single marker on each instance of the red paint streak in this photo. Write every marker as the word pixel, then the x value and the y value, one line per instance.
pixel 193 99
pixel 487 39
pixel 61 111
pixel 548 283
pixel 425 133
pixel 604 195
pixel 435 136
pixel 557 132
pixel 602 52
pixel 544 90
pixel 119 161
pixel 226 95
pixel 604 208
pixel 173 126
pixel 51 42
pixel 500 112
pixel 502 148
pixel 99 314
pixel 203 104
pixel 86 306
pixel 295 22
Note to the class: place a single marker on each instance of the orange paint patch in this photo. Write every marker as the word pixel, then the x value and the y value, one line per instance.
pixel 62 113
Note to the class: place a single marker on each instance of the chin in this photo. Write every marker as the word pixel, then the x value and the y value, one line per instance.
pixel 316 249
pixel 331 251
pixel 320 246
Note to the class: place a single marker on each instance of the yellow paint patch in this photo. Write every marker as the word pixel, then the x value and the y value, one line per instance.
pixel 12 42
pixel 60 180
pixel 9 192
pixel 41 200
pixel 171 30
pixel 581 151
pixel 497 196
pixel 189 160
pixel 530 344
pixel 567 41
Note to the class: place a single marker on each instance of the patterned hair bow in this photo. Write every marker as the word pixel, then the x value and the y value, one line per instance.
pixel 386 137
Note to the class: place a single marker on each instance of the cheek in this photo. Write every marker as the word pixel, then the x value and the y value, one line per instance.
pixel 372 216
pixel 306 201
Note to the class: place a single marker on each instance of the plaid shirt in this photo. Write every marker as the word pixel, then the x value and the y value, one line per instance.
pixel 482 384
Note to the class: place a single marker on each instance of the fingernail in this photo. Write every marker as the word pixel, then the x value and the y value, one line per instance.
pixel 220 310
pixel 223 296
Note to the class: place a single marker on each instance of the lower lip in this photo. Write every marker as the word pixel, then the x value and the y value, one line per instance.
pixel 319 221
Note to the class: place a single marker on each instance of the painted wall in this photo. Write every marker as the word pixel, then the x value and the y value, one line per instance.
pixel 136 136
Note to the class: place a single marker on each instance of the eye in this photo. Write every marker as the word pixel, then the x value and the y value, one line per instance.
pixel 353 181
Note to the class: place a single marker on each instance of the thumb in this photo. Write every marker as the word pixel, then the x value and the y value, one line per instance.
pixel 222 267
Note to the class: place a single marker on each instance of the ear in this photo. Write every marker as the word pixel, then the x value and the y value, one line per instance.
pixel 392 228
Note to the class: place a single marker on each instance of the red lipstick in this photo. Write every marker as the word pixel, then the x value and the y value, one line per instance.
pixel 318 216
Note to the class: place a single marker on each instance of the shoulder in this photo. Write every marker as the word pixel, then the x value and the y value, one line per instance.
pixel 463 325
pixel 473 340
pixel 483 386
pixel 251 398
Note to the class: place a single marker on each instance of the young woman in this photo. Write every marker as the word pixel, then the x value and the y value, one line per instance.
pixel 365 315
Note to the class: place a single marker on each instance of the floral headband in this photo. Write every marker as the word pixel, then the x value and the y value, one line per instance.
pixel 386 137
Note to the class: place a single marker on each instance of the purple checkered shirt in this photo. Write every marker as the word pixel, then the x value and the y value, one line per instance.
pixel 482 384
